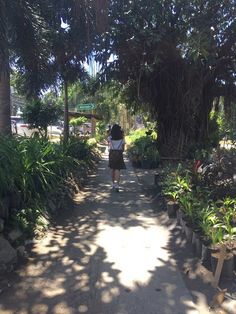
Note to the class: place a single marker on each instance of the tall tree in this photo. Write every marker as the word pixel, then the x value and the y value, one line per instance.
pixel 73 26
pixel 175 58
pixel 21 33
pixel 5 124
pixel 31 37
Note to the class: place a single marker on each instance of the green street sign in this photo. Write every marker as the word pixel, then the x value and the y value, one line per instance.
pixel 86 107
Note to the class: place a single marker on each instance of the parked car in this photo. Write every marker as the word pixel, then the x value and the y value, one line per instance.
pixel 19 127
pixel 54 130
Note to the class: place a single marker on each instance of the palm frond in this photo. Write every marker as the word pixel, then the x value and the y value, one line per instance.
pixel 28 41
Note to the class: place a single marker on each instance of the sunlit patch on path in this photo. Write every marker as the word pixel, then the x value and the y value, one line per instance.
pixel 109 256
pixel 134 251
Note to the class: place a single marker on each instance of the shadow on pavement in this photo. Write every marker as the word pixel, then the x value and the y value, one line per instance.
pixel 109 257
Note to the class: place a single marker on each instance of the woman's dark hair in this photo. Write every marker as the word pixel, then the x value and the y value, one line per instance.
pixel 116 132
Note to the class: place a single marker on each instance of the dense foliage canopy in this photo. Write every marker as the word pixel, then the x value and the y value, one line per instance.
pixel 22 44
pixel 176 58
pixel 46 41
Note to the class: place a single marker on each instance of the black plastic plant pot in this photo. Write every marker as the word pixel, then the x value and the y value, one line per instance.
pixel 228 265
pixel 182 223
pixel 188 232
pixel 195 237
pixel 180 213
pixel 198 246
pixel 135 164
pixel 171 209
pixel 176 206
pixel 156 178
pixel 234 253
pixel 206 255
pixel 146 164
pixel 197 241
pixel 178 216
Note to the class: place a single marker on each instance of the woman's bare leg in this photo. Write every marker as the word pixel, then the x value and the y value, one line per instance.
pixel 117 177
pixel 113 176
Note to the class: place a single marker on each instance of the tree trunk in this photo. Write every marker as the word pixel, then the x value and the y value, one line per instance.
pixel 5 105
pixel 5 113
pixel 66 113
pixel 183 111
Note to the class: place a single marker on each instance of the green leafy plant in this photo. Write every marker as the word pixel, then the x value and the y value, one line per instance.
pixel 175 185
pixel 143 147
pixel 10 164
pixel 77 122
pixel 229 228
pixel 40 115
pixel 227 211
pixel 216 233
pixel 216 219
pixel 186 201
pixel 34 167
pixel 172 195
pixel 205 220
pixel 44 165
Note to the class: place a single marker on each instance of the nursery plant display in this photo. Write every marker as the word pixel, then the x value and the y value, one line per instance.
pixel 207 207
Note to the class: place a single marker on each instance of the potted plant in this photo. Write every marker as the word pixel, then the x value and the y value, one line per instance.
pixel 228 265
pixel 172 202
pixel 150 156
pixel 175 187
pixel 227 209
pixel 134 156
pixel 206 223
pixel 198 205
pixel 187 202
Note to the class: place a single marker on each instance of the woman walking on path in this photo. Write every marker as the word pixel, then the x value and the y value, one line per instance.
pixel 116 160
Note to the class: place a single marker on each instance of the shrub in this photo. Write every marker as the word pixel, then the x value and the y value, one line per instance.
pixel 34 167
pixel 92 142
pixel 141 145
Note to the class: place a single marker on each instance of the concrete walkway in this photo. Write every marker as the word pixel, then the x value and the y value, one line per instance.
pixel 110 257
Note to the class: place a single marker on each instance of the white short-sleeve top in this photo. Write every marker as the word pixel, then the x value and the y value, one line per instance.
pixel 116 144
